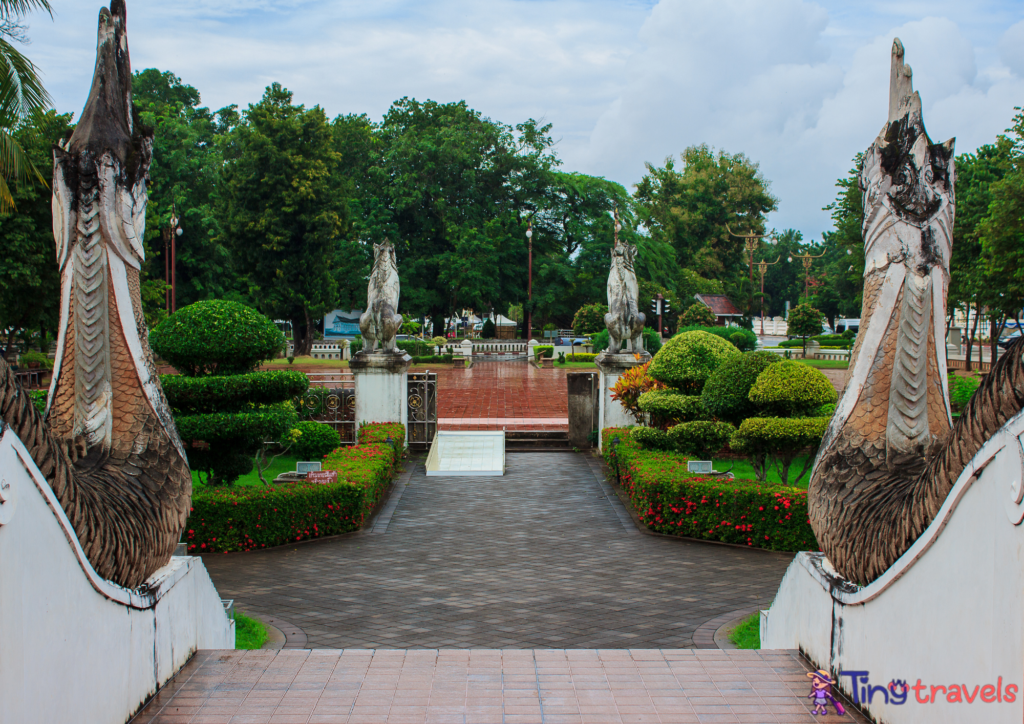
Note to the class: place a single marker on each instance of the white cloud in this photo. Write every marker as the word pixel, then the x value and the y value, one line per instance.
pixel 798 85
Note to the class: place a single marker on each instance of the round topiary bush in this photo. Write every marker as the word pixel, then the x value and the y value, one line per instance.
pixel 792 388
pixel 652 438
pixel 667 407
pixel 216 338
pixel 589 319
pixel 726 394
pixel 697 314
pixel 688 360
pixel 315 440
pixel 702 438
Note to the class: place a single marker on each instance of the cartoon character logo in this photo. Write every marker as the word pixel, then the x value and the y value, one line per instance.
pixel 821 693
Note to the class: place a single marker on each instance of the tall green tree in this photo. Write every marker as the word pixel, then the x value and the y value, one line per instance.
pixel 29 278
pixel 693 208
pixel 282 209
pixel 184 174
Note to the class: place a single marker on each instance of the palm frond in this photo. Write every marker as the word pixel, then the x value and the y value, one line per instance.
pixel 14 164
pixel 6 200
pixel 21 90
pixel 21 7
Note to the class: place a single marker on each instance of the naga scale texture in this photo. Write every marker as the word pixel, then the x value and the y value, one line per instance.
pixel 380 322
pixel 108 445
pixel 891 454
pixel 624 320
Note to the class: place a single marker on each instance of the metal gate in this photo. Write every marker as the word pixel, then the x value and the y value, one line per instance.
pixel 421 408
pixel 331 400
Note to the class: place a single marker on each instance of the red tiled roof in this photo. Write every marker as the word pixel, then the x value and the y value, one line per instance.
pixel 720 304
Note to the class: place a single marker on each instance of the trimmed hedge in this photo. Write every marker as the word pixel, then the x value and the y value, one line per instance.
pixel 726 333
pixel 792 388
pixel 433 359
pixel 244 519
pixel 581 357
pixel 652 340
pixel 672 501
pixel 671 406
pixel 652 438
pixel 315 441
pixel 688 359
pixel 543 350
pixel 726 394
pixel 769 435
pixel 702 438
pixel 216 337
pixel 245 428
pixel 233 392
pixel 379 432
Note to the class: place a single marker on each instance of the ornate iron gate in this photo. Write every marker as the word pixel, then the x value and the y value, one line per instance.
pixel 421 404
pixel 331 400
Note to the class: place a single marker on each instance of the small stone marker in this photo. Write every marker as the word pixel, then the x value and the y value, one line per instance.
pixel 322 477
pixel 307 467
pixel 699 466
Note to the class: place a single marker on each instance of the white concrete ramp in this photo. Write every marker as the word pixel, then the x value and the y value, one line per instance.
pixel 467 453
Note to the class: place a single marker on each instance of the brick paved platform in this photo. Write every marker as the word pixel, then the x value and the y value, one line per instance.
pixel 480 686
pixel 537 558
pixel 505 394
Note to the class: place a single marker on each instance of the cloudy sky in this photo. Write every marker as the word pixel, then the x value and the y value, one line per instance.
pixel 798 86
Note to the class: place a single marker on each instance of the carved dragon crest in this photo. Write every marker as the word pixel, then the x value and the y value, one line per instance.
pixel 108 445
pixel 891 454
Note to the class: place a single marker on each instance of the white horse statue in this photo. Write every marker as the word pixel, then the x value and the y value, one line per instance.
pixel 380 322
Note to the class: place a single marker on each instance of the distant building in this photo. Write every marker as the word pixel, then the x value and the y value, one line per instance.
pixel 722 307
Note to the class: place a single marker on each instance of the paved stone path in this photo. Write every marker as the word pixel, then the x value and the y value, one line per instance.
pixel 537 558
pixel 488 687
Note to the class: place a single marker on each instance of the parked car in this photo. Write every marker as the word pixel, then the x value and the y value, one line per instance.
pixel 1005 342
pixel 844 324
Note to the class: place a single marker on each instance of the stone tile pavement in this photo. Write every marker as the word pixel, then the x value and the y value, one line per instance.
pixel 537 558
pixel 481 686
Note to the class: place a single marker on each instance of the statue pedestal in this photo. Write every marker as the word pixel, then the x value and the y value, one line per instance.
pixel 381 379
pixel 611 413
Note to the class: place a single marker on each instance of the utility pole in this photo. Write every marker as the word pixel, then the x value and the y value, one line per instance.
pixel 173 232
pixel 529 282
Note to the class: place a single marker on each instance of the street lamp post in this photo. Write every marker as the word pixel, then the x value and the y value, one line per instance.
pixel 174 231
pixel 807 260
pixel 762 266
pixel 751 242
pixel 529 282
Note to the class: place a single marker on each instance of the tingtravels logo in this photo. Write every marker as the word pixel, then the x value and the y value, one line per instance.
pixel 898 692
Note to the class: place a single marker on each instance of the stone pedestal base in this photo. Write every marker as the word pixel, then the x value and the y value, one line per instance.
pixel 611 413
pixel 381 380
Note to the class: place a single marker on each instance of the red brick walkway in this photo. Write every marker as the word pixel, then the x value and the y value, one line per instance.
pixel 493 395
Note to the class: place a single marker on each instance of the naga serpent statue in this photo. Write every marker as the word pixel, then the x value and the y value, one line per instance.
pixel 624 320
pixel 891 454
pixel 380 322
pixel 107 444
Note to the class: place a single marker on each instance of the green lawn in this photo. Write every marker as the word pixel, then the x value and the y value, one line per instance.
pixel 742 469
pixel 249 633
pixel 746 636
pixel 576 364
pixel 283 464
pixel 826 364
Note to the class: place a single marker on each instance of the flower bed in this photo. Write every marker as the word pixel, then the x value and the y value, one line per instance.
pixel 244 519
pixel 670 500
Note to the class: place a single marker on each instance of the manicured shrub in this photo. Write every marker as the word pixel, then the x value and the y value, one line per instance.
pixel 487 331
pixel 825 411
pixel 216 338
pixel 238 429
pixel 961 389
pixel 589 319
pixel 792 388
pixel 315 440
pixel 439 341
pixel 701 438
pixel 738 340
pixel 672 501
pixel 670 407
pixel 543 350
pixel 726 394
pixel 779 440
pixel 698 315
pixel 581 357
pixel 652 438
pixel 687 360
pixel 631 385
pixel 727 333
pixel 433 359
pixel 380 432
pixel 804 321
pixel 210 394
pixel 245 519
pixel 38 359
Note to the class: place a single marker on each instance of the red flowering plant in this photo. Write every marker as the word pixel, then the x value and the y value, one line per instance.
pixel 668 499
pixel 245 519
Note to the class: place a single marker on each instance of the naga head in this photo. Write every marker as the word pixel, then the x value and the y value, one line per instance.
pixel 908 182
pixel 109 148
